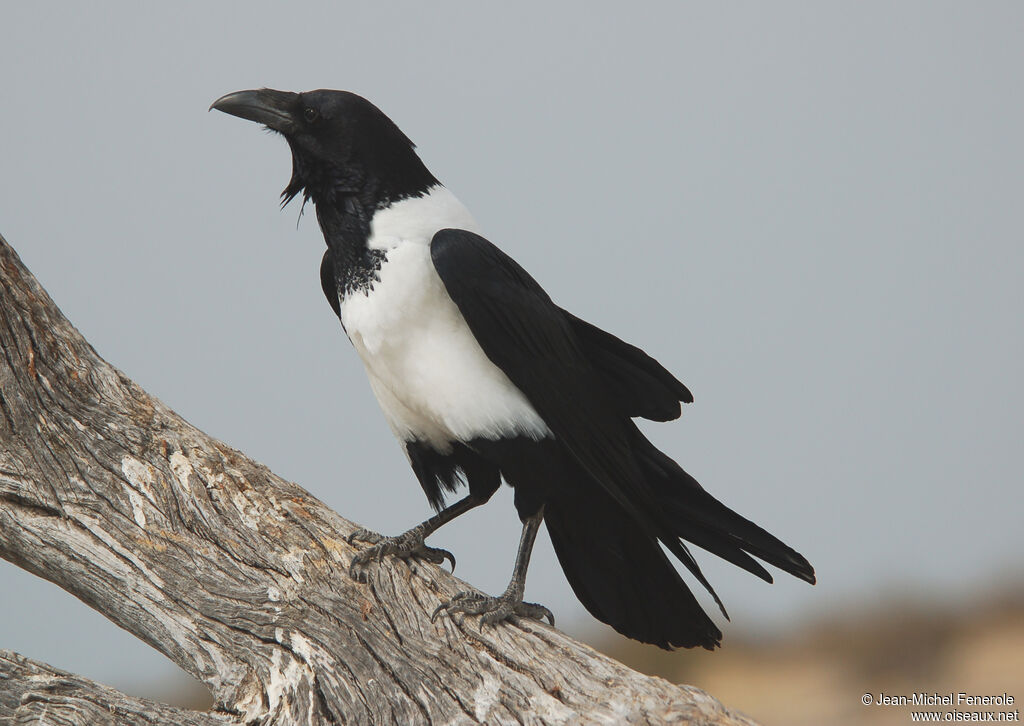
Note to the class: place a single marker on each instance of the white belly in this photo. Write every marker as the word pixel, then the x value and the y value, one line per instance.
pixel 431 377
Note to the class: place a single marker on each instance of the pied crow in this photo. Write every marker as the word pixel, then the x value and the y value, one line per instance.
pixel 483 378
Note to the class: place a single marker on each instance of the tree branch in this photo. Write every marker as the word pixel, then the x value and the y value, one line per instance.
pixel 239 576
pixel 35 693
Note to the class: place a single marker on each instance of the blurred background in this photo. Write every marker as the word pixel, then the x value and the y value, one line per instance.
pixel 811 212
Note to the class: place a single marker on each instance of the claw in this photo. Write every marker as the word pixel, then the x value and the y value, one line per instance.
pixel 437 556
pixel 539 612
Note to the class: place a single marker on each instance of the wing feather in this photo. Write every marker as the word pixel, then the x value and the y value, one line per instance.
pixel 533 341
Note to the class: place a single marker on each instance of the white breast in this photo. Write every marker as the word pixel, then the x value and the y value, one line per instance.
pixel 429 374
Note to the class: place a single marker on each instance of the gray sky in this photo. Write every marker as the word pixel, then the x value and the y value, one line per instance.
pixel 811 213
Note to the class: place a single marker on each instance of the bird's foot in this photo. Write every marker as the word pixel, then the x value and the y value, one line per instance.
pixel 404 546
pixel 493 609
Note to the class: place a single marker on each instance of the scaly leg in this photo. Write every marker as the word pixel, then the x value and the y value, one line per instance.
pixel 510 603
pixel 408 544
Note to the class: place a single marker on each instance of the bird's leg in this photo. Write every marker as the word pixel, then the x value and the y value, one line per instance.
pixel 408 544
pixel 510 603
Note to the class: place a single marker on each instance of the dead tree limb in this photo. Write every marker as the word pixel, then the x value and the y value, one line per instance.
pixel 35 693
pixel 239 576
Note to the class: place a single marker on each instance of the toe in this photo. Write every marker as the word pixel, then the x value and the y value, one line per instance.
pixel 356 565
pixel 437 611
pixel 356 572
pixel 434 555
pixel 363 535
pixel 497 615
pixel 462 602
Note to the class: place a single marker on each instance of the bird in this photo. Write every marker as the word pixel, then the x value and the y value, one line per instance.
pixel 483 378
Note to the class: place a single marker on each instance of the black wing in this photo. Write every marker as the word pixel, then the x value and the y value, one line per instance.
pixel 638 384
pixel 535 343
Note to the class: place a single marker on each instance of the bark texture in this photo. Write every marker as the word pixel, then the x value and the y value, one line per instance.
pixel 239 576
pixel 35 693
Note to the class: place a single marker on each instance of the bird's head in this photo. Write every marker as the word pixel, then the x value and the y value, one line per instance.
pixel 342 145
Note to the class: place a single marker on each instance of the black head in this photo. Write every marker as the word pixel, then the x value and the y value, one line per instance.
pixel 342 145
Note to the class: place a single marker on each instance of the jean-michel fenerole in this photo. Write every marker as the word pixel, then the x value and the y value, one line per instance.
pixel 943 699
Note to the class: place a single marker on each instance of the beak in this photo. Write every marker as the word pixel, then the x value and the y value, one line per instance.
pixel 266 106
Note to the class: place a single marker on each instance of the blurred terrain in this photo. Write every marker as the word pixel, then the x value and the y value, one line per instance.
pixel 817 674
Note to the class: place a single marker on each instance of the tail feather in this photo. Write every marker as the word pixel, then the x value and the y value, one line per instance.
pixel 615 563
pixel 691 513
pixel 681 551
pixel 724 547
pixel 621 574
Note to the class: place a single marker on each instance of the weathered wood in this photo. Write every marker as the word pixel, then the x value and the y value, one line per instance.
pixel 35 693
pixel 240 576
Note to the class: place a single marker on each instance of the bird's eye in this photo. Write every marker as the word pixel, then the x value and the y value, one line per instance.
pixel 311 114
